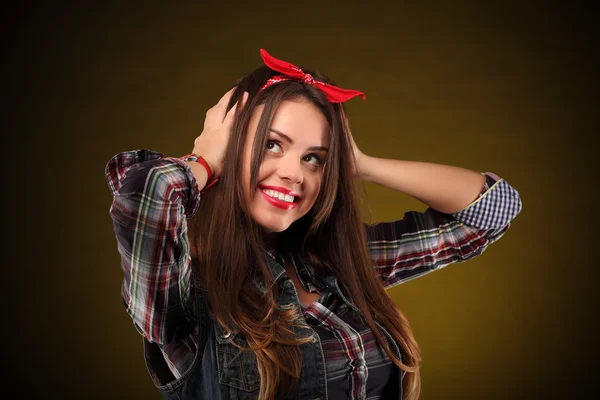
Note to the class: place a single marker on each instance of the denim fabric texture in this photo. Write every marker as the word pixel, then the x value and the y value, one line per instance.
pixel 220 373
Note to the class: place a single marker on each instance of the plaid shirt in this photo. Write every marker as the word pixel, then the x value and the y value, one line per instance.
pixel 152 198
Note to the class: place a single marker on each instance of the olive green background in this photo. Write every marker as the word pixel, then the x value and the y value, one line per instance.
pixel 509 88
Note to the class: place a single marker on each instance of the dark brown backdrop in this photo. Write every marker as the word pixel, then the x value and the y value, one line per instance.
pixel 508 88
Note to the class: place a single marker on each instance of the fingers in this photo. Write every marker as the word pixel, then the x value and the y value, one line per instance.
pixel 228 121
pixel 216 114
pixel 225 99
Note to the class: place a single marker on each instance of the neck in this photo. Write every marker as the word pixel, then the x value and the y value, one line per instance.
pixel 270 240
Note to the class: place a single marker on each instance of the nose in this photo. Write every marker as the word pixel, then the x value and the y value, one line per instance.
pixel 290 169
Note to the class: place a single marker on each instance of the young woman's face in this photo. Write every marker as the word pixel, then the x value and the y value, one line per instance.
pixel 292 166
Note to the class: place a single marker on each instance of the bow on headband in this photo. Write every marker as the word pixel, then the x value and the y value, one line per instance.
pixel 333 93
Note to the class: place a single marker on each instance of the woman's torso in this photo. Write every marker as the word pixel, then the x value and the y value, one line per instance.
pixel 345 361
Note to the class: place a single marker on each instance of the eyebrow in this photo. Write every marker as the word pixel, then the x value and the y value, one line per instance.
pixel 291 141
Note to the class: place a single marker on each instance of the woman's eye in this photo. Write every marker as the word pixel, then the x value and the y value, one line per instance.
pixel 316 160
pixel 274 143
pixel 311 158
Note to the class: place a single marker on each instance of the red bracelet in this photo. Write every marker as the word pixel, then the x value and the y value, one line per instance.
pixel 202 161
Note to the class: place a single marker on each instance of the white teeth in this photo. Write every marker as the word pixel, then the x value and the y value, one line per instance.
pixel 280 196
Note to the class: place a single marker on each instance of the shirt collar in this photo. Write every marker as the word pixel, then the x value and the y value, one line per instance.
pixel 321 279
pixel 276 269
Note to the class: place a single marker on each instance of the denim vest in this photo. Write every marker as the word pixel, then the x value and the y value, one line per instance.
pixel 220 373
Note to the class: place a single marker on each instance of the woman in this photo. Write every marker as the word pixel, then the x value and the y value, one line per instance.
pixel 247 268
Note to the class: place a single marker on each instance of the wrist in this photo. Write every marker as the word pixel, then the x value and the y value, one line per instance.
pixel 202 161
pixel 360 170
pixel 216 172
pixel 198 164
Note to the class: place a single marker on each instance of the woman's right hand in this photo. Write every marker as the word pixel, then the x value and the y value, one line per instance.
pixel 212 142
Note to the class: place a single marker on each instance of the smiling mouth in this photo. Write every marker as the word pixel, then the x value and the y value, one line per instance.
pixel 281 204
pixel 274 194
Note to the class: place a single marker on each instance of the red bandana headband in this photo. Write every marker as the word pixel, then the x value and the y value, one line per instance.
pixel 291 72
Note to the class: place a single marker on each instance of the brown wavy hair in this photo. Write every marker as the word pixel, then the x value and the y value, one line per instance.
pixel 330 236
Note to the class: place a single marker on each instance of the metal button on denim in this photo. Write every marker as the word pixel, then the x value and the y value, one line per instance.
pixel 356 362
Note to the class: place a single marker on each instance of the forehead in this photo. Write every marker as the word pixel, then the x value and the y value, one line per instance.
pixel 302 121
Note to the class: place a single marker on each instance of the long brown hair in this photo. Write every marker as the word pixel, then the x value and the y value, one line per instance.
pixel 229 246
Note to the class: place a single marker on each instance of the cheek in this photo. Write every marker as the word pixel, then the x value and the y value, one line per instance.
pixel 316 192
pixel 262 173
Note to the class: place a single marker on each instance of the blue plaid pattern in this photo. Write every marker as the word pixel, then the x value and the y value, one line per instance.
pixel 492 211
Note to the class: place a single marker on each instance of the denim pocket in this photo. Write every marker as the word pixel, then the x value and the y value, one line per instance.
pixel 237 369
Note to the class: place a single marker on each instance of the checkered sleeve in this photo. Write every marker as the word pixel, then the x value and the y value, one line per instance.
pixel 152 196
pixel 422 242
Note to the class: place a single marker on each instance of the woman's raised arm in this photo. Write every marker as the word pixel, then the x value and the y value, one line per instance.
pixel 152 197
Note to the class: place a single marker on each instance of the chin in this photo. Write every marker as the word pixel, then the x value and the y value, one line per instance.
pixel 274 228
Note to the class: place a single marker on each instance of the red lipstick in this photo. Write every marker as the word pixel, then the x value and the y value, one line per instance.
pixel 284 205
pixel 282 190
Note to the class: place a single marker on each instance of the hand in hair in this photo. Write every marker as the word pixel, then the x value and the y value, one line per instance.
pixel 212 142
pixel 358 155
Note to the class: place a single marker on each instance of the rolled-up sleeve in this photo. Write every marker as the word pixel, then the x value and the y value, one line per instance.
pixel 152 196
pixel 497 205
pixel 422 242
